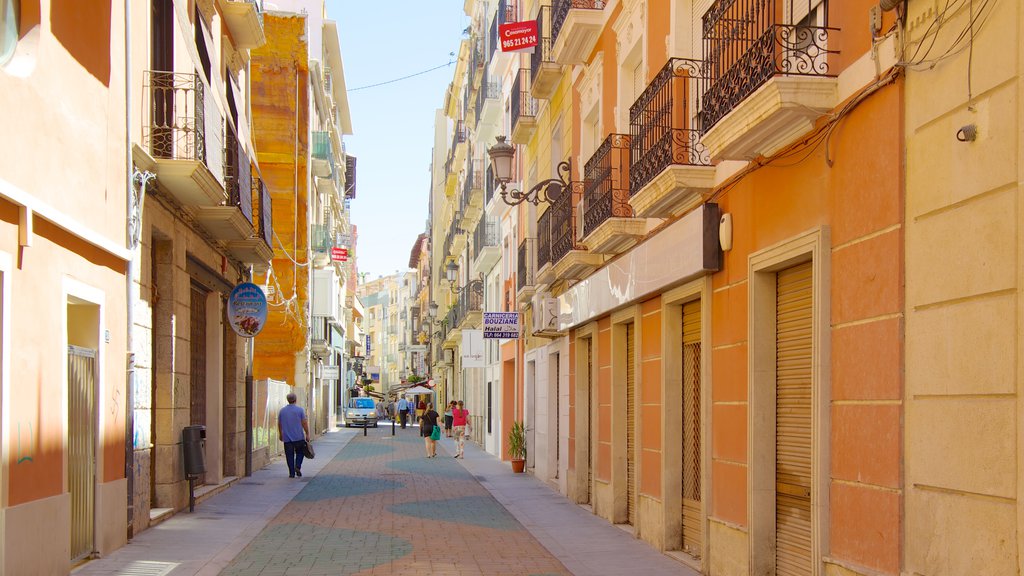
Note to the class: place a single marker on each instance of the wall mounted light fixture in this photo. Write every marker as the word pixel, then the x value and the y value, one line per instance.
pixel 549 190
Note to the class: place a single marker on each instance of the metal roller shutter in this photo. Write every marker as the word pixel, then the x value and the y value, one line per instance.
pixel 590 422
pixel 692 525
pixel 793 422
pixel 82 448
pixel 630 429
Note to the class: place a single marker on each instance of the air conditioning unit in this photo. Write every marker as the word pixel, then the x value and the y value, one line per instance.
pixel 580 220
pixel 545 314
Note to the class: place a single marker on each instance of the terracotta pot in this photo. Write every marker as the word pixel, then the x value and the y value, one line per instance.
pixel 518 465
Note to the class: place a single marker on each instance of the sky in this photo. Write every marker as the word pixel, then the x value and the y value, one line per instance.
pixel 393 124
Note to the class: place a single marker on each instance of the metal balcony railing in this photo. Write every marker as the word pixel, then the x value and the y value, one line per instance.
pixel 563 222
pixel 471 299
pixel 523 104
pixel 664 122
pixel 177 118
pixel 485 235
pixel 542 52
pixel 606 183
pixel 238 174
pixel 320 331
pixel 526 267
pixel 265 209
pixel 747 42
pixel 560 11
pixel 321 147
pixel 544 238
pixel 507 11
pixel 322 238
pixel 489 184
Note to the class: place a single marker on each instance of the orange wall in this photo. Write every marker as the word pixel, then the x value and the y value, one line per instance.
pixel 650 457
pixel 603 363
pixel 860 198
pixel 572 400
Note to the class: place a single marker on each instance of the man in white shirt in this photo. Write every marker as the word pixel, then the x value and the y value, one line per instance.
pixel 403 410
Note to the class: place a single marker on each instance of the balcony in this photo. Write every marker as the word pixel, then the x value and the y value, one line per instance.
pixel 469 307
pixel 473 193
pixel 526 282
pixel 570 259
pixel 320 335
pixel 257 249
pixel 176 138
pixel 244 20
pixel 769 81
pixel 459 144
pixel 486 251
pixel 322 154
pixel 545 73
pixel 233 220
pixel 453 334
pixel 575 28
pixel 545 270
pixel 609 226
pixel 488 100
pixel 523 109
pixel 456 240
pixel 669 166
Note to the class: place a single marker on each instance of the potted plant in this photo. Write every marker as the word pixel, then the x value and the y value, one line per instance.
pixel 517 446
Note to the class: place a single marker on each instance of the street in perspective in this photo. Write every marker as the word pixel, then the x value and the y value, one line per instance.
pixel 511 287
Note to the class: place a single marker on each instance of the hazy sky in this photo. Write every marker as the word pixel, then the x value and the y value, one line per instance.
pixel 393 124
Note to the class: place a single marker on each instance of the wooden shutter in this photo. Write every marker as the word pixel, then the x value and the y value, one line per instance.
pixel 793 424
pixel 691 441
pixel 638 83
pixel 630 429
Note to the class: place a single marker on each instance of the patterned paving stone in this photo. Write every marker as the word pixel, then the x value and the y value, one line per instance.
pixel 482 511
pixel 326 486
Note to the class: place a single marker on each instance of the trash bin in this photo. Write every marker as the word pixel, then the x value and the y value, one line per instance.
pixel 193 442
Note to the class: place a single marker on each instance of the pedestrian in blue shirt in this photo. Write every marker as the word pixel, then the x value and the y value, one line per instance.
pixel 293 428
pixel 403 410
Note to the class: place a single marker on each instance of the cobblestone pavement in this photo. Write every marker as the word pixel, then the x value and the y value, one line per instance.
pixel 381 507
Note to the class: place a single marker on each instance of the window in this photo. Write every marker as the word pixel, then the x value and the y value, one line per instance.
pixel 8 29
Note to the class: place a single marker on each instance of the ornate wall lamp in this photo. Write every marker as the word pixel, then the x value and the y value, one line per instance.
pixel 549 190
pixel 452 274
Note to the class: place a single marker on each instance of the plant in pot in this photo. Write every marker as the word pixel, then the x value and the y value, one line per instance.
pixel 517 446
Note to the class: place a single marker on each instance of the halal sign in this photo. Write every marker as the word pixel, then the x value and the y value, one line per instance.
pixel 518 36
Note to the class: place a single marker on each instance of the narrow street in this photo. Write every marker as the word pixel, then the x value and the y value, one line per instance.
pixel 376 505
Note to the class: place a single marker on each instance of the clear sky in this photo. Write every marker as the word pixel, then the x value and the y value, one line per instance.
pixel 393 124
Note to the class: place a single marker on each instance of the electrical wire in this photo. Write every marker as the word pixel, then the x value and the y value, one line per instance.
pixel 386 82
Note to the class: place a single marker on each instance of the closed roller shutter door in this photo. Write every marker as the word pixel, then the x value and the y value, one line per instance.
pixel 793 422
pixel 692 526
pixel 630 429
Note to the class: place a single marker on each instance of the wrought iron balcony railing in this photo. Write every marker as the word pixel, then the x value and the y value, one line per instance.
pixel 544 238
pixel 563 222
pixel 542 52
pixel 320 147
pixel 523 104
pixel 265 209
pixel 526 268
pixel 177 119
pixel 747 42
pixel 485 235
pixel 323 238
pixel 664 122
pixel 606 183
pixel 238 174
pixel 560 11
pixel 507 11
pixel 489 184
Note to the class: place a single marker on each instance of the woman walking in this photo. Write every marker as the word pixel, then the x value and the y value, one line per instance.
pixel 460 419
pixel 448 419
pixel 428 422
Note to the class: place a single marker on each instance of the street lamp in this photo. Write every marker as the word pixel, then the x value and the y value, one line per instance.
pixel 452 271
pixel 549 190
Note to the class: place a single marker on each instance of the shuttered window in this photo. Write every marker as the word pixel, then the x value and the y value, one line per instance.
pixel 793 423
pixel 638 82
pixel 691 442
pixel 630 429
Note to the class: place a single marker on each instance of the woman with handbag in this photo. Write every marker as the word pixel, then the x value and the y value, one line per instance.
pixel 429 430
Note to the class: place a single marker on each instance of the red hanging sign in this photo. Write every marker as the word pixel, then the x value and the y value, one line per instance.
pixel 339 254
pixel 518 36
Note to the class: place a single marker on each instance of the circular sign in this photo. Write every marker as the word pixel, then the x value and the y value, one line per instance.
pixel 247 309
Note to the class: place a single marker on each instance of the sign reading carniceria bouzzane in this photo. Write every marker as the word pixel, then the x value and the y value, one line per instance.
pixel 501 325
pixel 247 309
pixel 518 36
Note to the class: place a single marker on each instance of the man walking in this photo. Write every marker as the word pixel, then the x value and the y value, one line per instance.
pixel 403 410
pixel 293 428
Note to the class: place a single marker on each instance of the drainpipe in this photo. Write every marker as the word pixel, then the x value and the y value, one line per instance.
pixel 129 443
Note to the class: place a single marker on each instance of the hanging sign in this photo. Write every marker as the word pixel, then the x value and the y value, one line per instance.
pixel 330 373
pixel 472 349
pixel 247 309
pixel 518 36
pixel 501 324
pixel 339 254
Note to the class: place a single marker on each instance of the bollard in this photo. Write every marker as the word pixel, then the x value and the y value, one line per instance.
pixel 365 426
pixel 392 426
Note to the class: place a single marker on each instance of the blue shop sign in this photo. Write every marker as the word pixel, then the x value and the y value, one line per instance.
pixel 247 309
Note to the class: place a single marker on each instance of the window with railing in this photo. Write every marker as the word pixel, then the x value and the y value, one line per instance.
pixel 606 183
pixel 237 174
pixel 266 213
pixel 544 239
pixel 507 11
pixel 526 267
pixel 177 119
pixel 485 235
pixel 542 52
pixel 664 122
pixel 523 103
pixel 563 221
pixel 746 42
